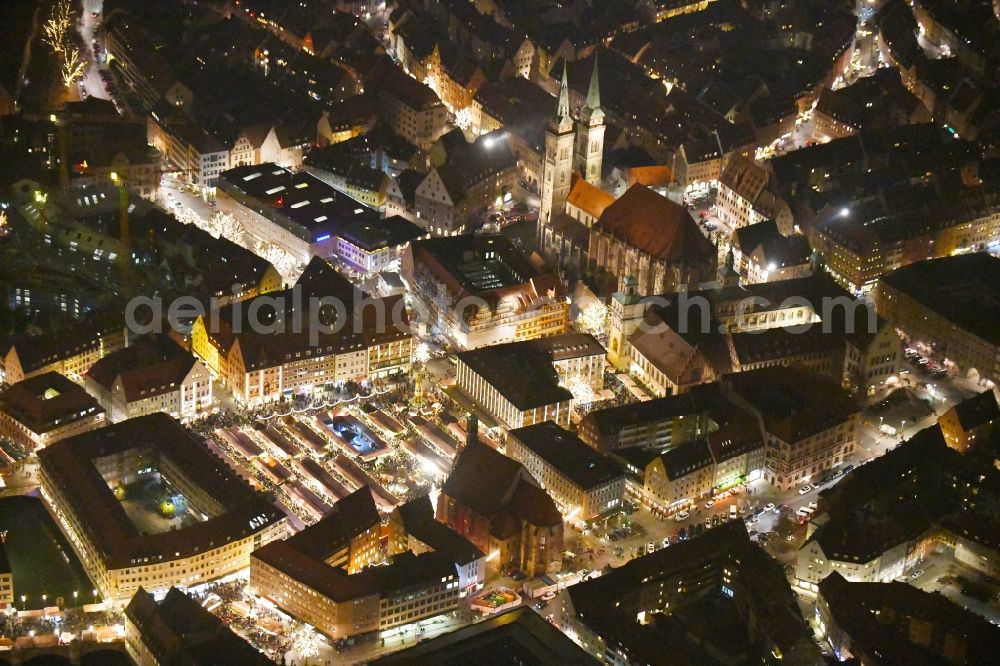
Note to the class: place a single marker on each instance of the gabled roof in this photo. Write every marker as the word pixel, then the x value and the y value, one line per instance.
pixel 35 352
pixel 567 453
pixel 589 198
pixel 520 630
pixel 686 459
pixel 977 410
pixel 794 402
pixel 141 354
pixel 656 226
pixel 178 630
pixel 498 487
pixel 748 238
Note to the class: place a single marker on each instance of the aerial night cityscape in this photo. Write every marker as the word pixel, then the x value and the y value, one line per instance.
pixel 499 332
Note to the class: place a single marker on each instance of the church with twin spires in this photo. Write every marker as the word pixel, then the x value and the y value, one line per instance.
pixel 571 145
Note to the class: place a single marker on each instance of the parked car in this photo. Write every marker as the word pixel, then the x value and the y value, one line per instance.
pixel 805 489
pixel 769 506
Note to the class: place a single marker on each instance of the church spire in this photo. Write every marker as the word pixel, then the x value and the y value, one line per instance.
pixel 592 112
pixel 594 92
pixel 563 110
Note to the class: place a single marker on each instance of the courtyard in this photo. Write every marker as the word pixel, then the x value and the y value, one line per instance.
pixel 154 506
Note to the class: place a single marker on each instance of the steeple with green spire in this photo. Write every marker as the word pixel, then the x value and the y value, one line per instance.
pixel 563 110
pixel 592 112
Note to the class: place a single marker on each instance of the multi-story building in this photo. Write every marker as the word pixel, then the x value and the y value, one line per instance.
pixel 46 408
pixel 865 240
pixel 744 198
pixel 324 575
pixel 809 423
pixel 98 141
pixel 674 341
pixel 948 304
pixel 585 484
pixel 523 383
pixel 154 375
pixel 676 479
pixel 188 149
pixel 142 68
pixel 474 179
pixel 178 629
pixel 412 527
pixel 69 353
pixel 862 360
pixel 481 290
pixel 762 254
pixel 209 536
pixel 320 332
pixel 495 503
pixel 624 615
pixel 653 239
pixel 878 101
pixel 971 422
pixel 373 247
pixel 657 424
pixel 410 108
pixel 293 211
pixel 888 515
pixel 856 617
pixel 571 146
pixel 261 144
pixel 521 108
pixel 346 172
pixel 6 579
pixel 698 163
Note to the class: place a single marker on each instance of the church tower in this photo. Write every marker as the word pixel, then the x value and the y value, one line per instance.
pixel 590 133
pixel 558 166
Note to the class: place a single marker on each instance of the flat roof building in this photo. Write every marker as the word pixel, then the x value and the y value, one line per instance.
pixel 295 211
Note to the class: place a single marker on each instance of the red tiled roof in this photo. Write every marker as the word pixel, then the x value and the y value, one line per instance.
pixel 656 226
